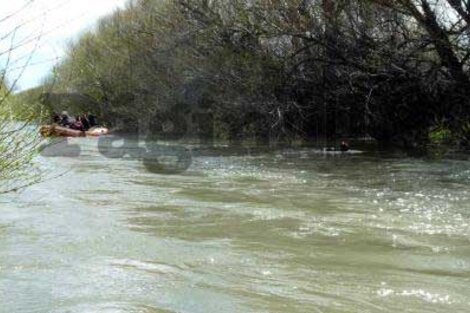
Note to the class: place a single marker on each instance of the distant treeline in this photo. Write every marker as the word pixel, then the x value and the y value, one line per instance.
pixel 396 70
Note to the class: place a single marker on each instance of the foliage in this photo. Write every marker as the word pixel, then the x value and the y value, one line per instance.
pixel 440 135
pixel 312 68
pixel 18 134
pixel 18 145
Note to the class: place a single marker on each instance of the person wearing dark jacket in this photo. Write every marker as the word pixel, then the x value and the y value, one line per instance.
pixel 85 121
pixel 55 118
pixel 92 120
pixel 344 146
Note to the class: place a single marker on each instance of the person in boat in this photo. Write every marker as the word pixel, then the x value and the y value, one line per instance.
pixel 344 146
pixel 85 121
pixel 65 119
pixel 92 120
pixel 55 118
pixel 77 125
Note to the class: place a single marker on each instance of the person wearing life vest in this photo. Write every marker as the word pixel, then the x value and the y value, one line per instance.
pixel 77 125
pixel 65 119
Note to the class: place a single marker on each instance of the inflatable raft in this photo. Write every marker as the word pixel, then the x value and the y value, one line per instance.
pixel 60 131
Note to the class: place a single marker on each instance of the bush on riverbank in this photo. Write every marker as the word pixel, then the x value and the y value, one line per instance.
pixel 18 143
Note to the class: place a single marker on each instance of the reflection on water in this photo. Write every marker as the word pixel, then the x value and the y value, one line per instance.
pixel 287 231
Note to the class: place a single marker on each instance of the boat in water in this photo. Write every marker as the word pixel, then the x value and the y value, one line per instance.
pixel 60 131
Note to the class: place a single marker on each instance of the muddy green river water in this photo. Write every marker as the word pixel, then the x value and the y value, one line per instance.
pixel 292 230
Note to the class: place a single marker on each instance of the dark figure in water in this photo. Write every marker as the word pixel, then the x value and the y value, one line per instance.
pixel 344 146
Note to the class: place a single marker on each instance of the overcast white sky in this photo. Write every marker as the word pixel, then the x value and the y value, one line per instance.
pixel 56 21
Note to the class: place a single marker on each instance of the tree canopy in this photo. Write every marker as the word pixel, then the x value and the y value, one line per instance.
pixel 394 70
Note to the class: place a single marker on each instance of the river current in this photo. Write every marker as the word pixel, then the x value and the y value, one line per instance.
pixel 291 230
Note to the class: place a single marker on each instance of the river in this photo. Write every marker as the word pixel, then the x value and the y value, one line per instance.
pixel 292 230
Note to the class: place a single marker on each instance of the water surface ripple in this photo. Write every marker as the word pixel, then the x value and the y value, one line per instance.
pixel 288 231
